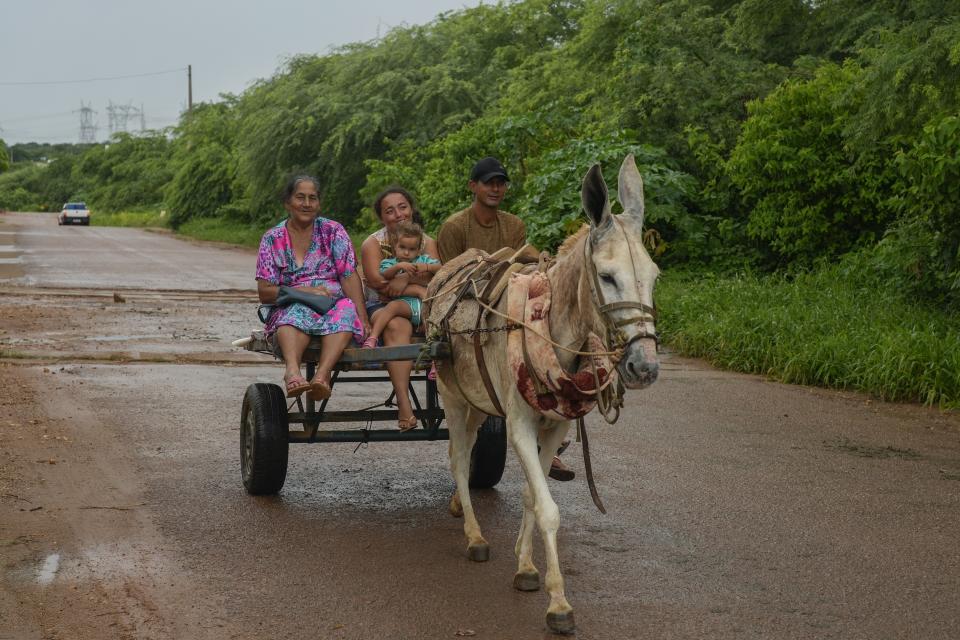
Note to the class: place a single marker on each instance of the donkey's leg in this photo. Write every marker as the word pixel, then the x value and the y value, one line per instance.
pixel 523 436
pixel 463 422
pixel 527 578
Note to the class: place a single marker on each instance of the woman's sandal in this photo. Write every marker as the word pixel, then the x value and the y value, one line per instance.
pixel 297 385
pixel 406 424
pixel 319 390
pixel 369 343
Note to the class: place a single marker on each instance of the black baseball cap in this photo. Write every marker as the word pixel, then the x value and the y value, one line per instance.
pixel 488 168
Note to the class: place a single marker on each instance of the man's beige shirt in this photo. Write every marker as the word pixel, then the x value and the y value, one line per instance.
pixel 463 231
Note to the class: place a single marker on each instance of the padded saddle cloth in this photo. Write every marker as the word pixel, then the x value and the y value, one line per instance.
pixel 541 380
pixel 452 294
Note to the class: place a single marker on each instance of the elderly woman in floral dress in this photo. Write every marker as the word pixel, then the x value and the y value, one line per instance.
pixel 315 255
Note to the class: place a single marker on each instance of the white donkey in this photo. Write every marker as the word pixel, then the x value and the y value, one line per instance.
pixel 602 283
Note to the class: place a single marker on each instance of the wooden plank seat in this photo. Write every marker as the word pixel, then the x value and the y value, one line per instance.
pixel 360 359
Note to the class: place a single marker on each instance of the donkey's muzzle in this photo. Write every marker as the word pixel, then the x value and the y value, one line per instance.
pixel 639 367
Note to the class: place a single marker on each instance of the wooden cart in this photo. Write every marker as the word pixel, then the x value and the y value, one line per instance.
pixel 267 415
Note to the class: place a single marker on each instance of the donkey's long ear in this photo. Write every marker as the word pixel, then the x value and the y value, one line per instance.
pixel 630 189
pixel 596 201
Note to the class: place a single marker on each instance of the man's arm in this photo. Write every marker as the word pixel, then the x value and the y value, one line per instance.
pixel 519 233
pixel 450 241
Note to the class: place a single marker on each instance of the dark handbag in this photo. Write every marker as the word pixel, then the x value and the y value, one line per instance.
pixel 320 304
pixel 289 295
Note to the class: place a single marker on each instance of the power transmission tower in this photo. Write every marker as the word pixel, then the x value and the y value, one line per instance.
pixel 88 130
pixel 119 115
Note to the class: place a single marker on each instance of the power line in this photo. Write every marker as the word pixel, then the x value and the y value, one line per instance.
pixel 52 82
pixel 43 117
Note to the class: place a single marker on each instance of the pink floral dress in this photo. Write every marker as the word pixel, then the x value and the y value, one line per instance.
pixel 329 259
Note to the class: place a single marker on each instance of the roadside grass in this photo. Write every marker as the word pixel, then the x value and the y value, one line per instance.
pixel 833 328
pixel 210 229
pixel 129 219
pixel 222 230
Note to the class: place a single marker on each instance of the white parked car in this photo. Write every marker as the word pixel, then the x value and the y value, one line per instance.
pixel 74 212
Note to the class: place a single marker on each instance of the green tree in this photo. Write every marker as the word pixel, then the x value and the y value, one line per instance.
pixel 925 243
pixel 129 172
pixel 792 166
pixel 205 164
pixel 4 157
pixel 328 115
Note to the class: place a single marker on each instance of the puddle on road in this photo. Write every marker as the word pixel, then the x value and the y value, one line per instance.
pixel 126 338
pixel 10 259
pixel 98 563
pixel 48 571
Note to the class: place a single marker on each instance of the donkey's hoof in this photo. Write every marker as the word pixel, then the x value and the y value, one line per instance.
pixel 456 509
pixel 479 552
pixel 526 581
pixel 561 622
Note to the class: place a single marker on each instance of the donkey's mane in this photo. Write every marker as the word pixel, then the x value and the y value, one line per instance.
pixel 572 240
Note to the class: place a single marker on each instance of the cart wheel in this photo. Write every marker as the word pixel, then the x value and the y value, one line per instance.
pixel 489 454
pixel 263 439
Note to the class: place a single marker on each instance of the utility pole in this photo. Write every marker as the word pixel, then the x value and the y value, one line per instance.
pixel 189 88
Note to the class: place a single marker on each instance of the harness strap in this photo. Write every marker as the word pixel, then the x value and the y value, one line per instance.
pixel 445 324
pixel 495 274
pixel 587 466
pixel 627 304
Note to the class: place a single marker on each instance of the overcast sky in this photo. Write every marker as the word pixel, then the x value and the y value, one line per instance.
pixel 229 43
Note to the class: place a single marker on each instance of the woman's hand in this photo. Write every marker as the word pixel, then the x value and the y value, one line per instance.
pixel 354 291
pixel 319 290
pixel 396 285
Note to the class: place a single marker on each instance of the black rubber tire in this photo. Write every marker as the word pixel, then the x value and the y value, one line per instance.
pixel 86 223
pixel 489 454
pixel 264 444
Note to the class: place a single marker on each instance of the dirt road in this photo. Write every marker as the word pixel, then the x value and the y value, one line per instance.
pixel 738 507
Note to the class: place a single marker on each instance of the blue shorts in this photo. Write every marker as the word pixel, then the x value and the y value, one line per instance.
pixel 412 301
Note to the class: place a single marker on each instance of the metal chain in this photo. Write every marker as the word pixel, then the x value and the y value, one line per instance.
pixel 506 327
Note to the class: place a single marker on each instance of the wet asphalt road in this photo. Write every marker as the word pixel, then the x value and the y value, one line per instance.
pixel 738 507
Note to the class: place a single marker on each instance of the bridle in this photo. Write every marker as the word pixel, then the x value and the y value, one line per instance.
pixel 615 338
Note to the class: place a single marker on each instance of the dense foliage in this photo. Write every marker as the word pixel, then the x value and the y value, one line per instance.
pixel 772 135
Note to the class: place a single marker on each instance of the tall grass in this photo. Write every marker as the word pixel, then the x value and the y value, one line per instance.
pixel 129 219
pixel 222 230
pixel 209 229
pixel 833 327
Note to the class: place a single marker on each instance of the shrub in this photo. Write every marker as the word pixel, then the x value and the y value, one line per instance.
pixel 809 196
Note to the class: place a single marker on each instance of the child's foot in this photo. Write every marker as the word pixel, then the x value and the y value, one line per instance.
pixel 370 342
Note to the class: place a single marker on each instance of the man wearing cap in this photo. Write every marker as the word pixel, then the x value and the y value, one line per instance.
pixel 484 226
